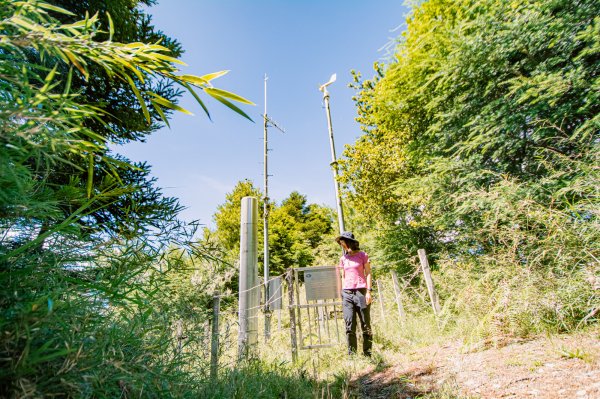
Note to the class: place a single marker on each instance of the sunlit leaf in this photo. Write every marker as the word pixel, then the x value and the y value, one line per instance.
pixel 196 80
pixel 168 104
pixel 214 75
pixel 75 62
pixel 161 114
pixel 214 92
pixel 48 79
pixel 54 8
pixel 231 106
pixel 198 99
pixel 140 98
pixel 111 27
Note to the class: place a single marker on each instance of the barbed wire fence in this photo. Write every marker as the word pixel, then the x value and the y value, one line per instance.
pixel 220 333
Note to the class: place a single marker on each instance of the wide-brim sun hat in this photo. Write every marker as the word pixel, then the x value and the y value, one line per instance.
pixel 346 235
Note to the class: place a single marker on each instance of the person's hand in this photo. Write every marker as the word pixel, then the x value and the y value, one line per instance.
pixel 368 297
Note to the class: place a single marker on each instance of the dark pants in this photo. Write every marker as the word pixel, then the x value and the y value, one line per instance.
pixel 354 304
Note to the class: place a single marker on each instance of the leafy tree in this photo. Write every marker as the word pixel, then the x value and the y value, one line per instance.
pixel 133 108
pixel 228 215
pixel 125 120
pixel 477 92
pixel 296 229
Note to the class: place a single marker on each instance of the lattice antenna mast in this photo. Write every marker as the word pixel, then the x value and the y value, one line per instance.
pixel 267 122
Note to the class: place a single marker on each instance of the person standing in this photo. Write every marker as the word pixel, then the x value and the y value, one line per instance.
pixel 356 292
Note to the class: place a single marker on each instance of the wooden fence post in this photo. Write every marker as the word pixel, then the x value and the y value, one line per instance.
pixel 207 333
pixel 435 304
pixel 294 342
pixel 380 292
pixel 398 293
pixel 179 334
pixel 214 347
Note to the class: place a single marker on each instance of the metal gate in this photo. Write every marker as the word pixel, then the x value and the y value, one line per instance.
pixel 318 310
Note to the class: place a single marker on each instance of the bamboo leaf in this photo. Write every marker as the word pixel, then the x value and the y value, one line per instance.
pixel 78 24
pixel 92 21
pixel 195 80
pixel 111 27
pixel 231 106
pixel 139 97
pixel 48 79
pixel 214 75
pixel 54 8
pixel 134 45
pixel 75 62
pixel 198 99
pixel 168 104
pixel 162 114
pixel 68 83
pixel 168 58
pixel 48 357
pixel 214 92
pixel 90 175
pixel 24 23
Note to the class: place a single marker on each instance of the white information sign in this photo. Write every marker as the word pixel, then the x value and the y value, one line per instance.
pixel 275 294
pixel 322 282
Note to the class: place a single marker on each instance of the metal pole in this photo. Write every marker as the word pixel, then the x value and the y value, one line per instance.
pixel 249 294
pixel 334 165
pixel 266 222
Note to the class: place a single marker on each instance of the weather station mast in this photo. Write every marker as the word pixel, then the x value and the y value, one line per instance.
pixel 266 208
pixel 334 164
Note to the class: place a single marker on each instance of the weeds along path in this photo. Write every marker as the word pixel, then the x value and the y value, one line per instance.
pixel 566 366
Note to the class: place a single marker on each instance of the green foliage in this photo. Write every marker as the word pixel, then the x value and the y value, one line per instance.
pixel 77 326
pixel 84 256
pixel 128 23
pixel 296 229
pixel 228 215
pixel 480 145
pixel 260 379
pixel 53 147
pixel 577 353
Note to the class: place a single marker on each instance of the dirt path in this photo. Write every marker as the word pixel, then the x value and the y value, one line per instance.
pixel 556 367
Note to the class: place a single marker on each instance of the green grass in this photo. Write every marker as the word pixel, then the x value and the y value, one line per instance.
pixel 575 353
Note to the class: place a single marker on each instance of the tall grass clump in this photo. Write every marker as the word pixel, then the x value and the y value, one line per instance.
pixel 87 241
pixel 262 379
pixel 541 273
pixel 528 268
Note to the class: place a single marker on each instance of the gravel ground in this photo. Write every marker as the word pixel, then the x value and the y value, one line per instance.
pixel 566 366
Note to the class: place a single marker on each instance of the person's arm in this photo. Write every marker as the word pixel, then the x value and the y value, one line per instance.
pixel 368 276
pixel 342 272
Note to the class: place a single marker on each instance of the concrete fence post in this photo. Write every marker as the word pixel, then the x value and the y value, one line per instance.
pixel 249 290
pixel 435 303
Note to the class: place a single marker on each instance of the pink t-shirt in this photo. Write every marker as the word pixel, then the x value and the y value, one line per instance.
pixel 354 270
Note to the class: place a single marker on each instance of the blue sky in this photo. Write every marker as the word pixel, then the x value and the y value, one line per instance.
pixel 298 44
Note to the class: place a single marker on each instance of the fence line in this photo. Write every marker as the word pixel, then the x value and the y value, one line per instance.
pixel 424 267
pixel 232 294
pixel 221 330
